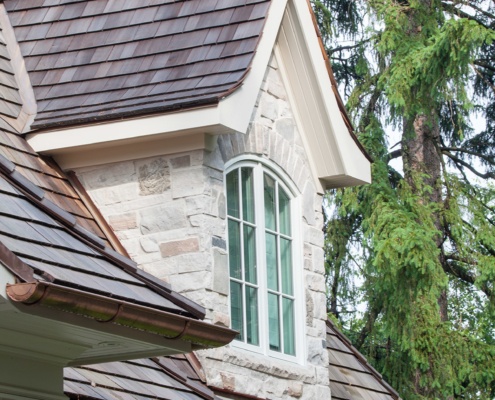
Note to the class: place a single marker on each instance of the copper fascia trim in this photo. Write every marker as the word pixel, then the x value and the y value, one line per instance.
pixel 340 103
pixel 109 310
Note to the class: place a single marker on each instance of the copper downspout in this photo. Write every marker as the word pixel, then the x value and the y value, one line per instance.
pixel 109 310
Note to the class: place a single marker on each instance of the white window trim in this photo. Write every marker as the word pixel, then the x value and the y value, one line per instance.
pixel 298 262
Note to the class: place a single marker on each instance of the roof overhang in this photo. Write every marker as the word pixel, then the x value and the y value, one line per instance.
pixel 90 328
pixel 335 157
pixel 334 154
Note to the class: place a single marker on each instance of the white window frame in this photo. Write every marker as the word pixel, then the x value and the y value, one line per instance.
pixel 261 166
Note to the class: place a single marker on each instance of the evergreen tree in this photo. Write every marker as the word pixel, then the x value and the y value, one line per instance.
pixel 421 237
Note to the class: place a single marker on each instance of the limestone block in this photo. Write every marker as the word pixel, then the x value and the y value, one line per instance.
pixel 308 250
pixel 320 326
pixel 176 247
pixel 121 222
pixel 219 242
pixel 214 159
pixel 295 389
pixel 308 203
pixel 153 176
pixel 149 245
pixel 275 387
pixel 269 107
pixel 201 204
pixel 221 206
pixel 221 319
pixel 220 272
pixel 320 307
pixel 315 282
pixel 284 110
pixel 193 262
pixel 190 281
pixel 189 182
pixel 314 236
pixel 132 247
pixel 228 381
pixel 225 146
pixel 274 85
pixel 316 352
pixel 181 162
pixel 208 224
pixel 265 122
pixel 322 392
pixel 145 258
pixel 197 158
pixel 162 218
pixel 285 127
pixel 161 268
pixel 109 175
pixel 309 308
pixel 115 194
pixel 318 260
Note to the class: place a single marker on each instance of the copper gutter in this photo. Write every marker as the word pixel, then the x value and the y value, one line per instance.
pixel 108 310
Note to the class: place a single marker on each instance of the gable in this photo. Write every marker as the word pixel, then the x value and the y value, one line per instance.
pixel 190 67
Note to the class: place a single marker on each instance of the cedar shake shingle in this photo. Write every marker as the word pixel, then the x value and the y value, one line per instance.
pixel 98 60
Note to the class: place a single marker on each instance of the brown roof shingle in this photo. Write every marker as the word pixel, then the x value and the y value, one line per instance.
pixel 351 377
pixel 99 60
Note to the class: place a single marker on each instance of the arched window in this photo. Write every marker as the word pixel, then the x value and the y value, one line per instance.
pixel 261 254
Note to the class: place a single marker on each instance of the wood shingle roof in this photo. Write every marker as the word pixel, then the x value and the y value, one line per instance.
pixel 99 60
pixel 161 378
pixel 351 376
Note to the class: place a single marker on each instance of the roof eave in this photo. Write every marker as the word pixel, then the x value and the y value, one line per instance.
pixel 200 334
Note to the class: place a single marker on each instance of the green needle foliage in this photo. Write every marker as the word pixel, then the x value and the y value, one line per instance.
pixel 420 239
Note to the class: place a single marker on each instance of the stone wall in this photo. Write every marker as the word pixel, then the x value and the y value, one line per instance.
pixel 169 213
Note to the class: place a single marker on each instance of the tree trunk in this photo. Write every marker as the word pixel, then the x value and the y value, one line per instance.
pixel 422 167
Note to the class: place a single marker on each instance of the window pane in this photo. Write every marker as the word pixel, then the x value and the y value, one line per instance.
pixel 236 308
pixel 252 315
pixel 269 190
pixel 286 261
pixel 233 194
pixel 289 341
pixel 274 322
pixel 271 261
pixel 284 212
pixel 247 194
pixel 250 254
pixel 234 249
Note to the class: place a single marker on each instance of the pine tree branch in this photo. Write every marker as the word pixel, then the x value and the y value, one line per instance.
pixel 394 154
pixel 478 72
pixel 349 47
pixel 488 159
pixel 484 64
pixel 451 8
pixel 457 160
pixel 463 273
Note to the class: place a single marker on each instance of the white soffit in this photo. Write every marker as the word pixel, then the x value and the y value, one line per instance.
pixel 335 157
pixel 232 114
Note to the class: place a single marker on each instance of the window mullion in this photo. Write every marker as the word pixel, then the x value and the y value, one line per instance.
pixel 261 255
pixel 241 236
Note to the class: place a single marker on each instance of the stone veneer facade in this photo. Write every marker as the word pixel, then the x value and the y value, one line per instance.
pixel 170 214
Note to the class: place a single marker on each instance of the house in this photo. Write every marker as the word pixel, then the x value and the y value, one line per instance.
pixel 195 138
